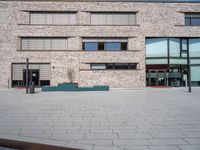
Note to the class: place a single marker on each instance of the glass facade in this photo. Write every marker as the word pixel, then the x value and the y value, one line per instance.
pixel 173 52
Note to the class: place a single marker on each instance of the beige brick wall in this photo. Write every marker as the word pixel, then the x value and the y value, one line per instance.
pixel 153 20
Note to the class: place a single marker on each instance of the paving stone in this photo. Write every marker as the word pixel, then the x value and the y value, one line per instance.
pixel 106 148
pixel 135 147
pixel 101 136
pixel 131 142
pixel 164 148
pixel 67 136
pixel 167 141
pixel 167 135
pixel 189 147
pixel 97 142
pixel 134 135
pixel 192 140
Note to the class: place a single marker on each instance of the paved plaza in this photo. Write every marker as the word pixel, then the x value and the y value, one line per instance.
pixel 121 119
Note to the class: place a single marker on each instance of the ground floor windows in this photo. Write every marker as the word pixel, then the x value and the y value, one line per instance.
pixel 113 66
pixel 39 73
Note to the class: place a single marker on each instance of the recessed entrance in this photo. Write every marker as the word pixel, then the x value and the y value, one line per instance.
pixel 166 75
pixel 156 78
pixel 33 76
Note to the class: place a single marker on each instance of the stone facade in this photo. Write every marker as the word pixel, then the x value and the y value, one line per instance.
pixel 153 20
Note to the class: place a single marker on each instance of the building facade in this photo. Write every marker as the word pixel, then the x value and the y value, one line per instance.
pixel 116 43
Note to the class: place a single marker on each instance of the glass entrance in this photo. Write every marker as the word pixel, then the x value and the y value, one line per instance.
pixel 156 78
pixel 33 76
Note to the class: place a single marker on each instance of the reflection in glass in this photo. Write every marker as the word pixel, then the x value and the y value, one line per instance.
pixel 156 47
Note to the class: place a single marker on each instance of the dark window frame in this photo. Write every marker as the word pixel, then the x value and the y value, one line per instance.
pixel 103 48
pixel 113 66
pixel 190 18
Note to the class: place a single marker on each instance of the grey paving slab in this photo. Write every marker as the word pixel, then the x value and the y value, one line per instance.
pixel 193 140
pixel 189 147
pixel 164 148
pixel 167 141
pixel 135 147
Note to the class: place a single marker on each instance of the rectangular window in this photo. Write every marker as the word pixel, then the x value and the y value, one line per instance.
pixel 90 46
pixel 174 47
pixel 113 18
pixel 52 18
pixel 98 66
pixel 105 44
pixel 194 47
pixel 112 46
pixel 43 43
pixel 192 19
pixel 156 47
pixel 114 66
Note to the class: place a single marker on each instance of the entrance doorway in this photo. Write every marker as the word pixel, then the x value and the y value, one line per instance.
pixel 156 77
pixel 33 76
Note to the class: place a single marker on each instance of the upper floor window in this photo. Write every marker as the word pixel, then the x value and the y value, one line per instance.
pixel 105 44
pixel 192 19
pixel 113 18
pixel 35 43
pixel 49 18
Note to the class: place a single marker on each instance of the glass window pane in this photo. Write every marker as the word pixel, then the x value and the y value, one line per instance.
pixel 121 66
pixel 100 46
pixel 183 54
pixel 156 61
pixel 89 46
pixel 112 46
pixel 187 21
pixel 174 47
pixel 194 47
pixel 195 61
pixel 156 47
pixel 132 19
pixel 184 44
pixel 55 44
pixel 178 61
pixel 133 66
pixel 109 66
pixel 25 44
pixel 113 18
pixel 98 66
pixel 195 73
pixel 195 21
pixel 124 46
pixel 47 44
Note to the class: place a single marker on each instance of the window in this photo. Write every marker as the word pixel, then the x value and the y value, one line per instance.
pixel 113 18
pixel 115 66
pixel 43 43
pixel 192 19
pixel 184 43
pixel 156 47
pixel 98 66
pixel 174 47
pixel 112 46
pixel 194 47
pixel 90 46
pixel 49 18
pixel 105 44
